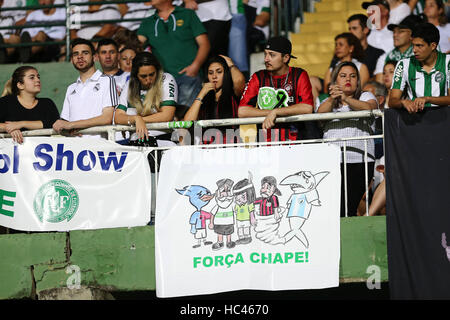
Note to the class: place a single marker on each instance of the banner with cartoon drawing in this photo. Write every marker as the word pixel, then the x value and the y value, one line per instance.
pixel 61 184
pixel 262 218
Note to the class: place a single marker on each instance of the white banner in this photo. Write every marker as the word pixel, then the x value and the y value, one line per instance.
pixel 263 218
pixel 60 184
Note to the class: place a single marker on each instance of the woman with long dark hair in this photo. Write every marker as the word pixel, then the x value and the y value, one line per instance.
pixel 150 96
pixel 222 89
pixel 20 108
pixel 346 95
pixel 347 48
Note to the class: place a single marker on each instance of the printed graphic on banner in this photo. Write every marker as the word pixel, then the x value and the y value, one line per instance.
pixel 243 218
pixel 60 184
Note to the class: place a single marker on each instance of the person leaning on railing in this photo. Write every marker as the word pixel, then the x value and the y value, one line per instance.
pixel 21 109
pixel 150 96
pixel 346 95
pixel 222 89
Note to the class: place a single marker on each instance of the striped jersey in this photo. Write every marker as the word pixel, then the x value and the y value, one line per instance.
pixel 409 75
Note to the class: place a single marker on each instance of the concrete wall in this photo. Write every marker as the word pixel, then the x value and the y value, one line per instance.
pixel 55 78
pixel 34 265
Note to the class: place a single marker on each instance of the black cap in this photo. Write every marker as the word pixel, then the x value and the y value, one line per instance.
pixel 271 180
pixel 408 23
pixel 365 5
pixel 280 44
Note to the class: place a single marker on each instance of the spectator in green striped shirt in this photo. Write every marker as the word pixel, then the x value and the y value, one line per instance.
pixel 424 76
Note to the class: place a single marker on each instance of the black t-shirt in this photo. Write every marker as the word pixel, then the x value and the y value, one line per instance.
pixel 371 55
pixel 45 111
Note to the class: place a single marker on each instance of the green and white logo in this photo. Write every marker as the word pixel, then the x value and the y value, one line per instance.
pixel 269 98
pixel 56 201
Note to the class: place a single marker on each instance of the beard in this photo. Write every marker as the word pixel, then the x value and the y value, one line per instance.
pixel 224 202
pixel 86 68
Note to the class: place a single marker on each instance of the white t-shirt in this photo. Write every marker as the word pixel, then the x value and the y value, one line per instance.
pixel 9 18
pixel 346 128
pixel 136 10
pixel 382 39
pixel 121 81
pixel 399 13
pixel 214 10
pixel 106 12
pixel 38 16
pixel 444 33
pixel 87 100
pixel 169 97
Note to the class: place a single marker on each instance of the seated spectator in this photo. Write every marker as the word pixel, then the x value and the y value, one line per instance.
pixel 435 12
pixel 127 55
pixel 21 109
pixel 357 25
pixel 388 75
pixel 126 38
pixel 89 101
pixel 294 87
pixel 150 96
pixel 108 56
pixel 95 13
pixel 10 18
pixel 399 10
pixel 168 39
pixel 222 89
pixel 346 95
pixel 135 10
pixel 43 34
pixel 378 202
pixel 347 48
pixel 380 36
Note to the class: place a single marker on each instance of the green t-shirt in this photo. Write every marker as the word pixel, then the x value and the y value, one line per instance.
pixel 243 212
pixel 396 55
pixel 173 41
pixel 410 75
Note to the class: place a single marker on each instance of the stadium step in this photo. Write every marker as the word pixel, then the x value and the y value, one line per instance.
pixel 314 44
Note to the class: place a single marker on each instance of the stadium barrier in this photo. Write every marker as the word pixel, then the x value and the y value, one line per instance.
pixel 198 126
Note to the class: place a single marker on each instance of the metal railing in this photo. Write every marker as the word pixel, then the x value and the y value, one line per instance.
pixel 111 131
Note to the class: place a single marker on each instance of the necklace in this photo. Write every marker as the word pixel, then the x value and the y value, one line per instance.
pixel 285 81
pixel 25 105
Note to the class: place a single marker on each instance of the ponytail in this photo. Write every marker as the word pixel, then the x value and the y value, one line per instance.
pixel 7 90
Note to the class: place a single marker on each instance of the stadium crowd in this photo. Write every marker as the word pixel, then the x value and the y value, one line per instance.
pixel 189 60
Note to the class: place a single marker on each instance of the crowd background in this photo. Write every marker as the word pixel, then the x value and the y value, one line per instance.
pixel 230 29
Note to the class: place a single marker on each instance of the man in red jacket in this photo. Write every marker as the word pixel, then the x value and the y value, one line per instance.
pixel 278 90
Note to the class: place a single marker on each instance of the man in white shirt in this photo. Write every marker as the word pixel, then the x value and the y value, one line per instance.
pixel 89 101
pixel 108 56
pixel 380 36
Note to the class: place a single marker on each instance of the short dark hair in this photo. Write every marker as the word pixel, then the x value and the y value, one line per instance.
pixel 107 42
pixel 426 31
pixel 362 18
pixel 79 41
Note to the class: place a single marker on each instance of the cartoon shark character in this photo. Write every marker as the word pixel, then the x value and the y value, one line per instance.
pixel 305 196
pixel 199 197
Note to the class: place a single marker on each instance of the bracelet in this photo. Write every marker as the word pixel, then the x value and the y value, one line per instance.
pixel 199 99
pixel 232 66
pixel 129 123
